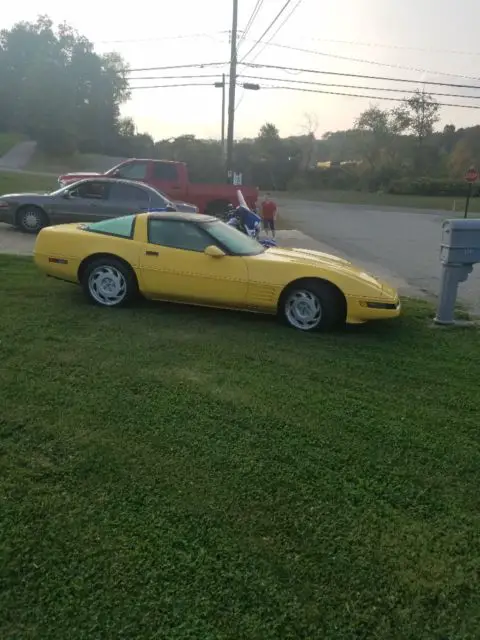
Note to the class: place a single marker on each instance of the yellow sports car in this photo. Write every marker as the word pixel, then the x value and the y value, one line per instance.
pixel 197 259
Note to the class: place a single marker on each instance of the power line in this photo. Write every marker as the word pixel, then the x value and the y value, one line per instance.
pixel 272 23
pixel 211 75
pixel 332 93
pixel 346 86
pixel 199 65
pixel 400 47
pixel 250 22
pixel 282 24
pixel 265 44
pixel 368 97
pixel 181 84
pixel 353 86
pixel 257 65
pixel 364 61
pixel 160 39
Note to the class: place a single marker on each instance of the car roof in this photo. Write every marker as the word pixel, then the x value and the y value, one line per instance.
pixel 199 218
pixel 100 178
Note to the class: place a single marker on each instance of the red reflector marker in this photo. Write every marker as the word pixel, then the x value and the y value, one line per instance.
pixel 58 260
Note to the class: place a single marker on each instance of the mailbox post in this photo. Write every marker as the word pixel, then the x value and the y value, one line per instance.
pixel 460 251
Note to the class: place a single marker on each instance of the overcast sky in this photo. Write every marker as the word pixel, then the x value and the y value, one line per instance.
pixel 421 40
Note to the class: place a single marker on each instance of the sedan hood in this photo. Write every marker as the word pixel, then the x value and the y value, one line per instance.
pixel 16 196
pixel 317 259
pixel 82 174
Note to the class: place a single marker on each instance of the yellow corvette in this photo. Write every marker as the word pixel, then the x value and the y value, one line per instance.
pixel 197 259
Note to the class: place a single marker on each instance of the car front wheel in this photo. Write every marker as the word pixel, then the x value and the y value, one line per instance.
pixel 312 306
pixel 109 283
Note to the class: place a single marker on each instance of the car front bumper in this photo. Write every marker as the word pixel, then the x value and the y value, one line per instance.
pixel 361 310
pixel 7 215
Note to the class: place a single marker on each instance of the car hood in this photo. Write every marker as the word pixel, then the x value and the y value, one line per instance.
pixel 17 196
pixel 81 174
pixel 317 259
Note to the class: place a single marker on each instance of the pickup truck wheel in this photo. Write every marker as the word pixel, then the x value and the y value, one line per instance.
pixel 217 208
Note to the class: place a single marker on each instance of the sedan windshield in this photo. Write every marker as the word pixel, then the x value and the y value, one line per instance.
pixel 233 240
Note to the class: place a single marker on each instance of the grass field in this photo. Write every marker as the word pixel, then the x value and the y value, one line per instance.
pixel 11 182
pixel 386 200
pixel 169 472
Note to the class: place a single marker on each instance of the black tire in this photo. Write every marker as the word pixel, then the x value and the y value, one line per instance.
pixel 31 218
pixel 326 303
pixel 109 282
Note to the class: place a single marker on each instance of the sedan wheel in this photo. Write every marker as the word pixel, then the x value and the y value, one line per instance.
pixel 109 283
pixel 31 219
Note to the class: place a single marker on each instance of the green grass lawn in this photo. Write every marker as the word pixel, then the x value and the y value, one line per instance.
pixel 386 200
pixel 50 164
pixel 11 182
pixel 169 472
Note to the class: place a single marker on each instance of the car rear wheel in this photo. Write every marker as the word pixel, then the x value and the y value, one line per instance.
pixel 31 219
pixel 312 306
pixel 108 282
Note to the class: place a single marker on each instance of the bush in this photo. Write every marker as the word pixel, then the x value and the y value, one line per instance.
pixel 431 187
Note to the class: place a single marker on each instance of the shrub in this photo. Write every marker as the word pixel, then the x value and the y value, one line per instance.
pixel 431 187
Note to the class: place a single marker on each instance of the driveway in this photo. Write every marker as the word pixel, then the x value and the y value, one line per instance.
pixel 14 241
pixel 402 242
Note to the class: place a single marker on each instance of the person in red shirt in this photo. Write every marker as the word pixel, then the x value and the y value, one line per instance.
pixel 269 214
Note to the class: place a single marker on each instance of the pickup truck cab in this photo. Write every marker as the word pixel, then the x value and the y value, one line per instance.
pixel 172 178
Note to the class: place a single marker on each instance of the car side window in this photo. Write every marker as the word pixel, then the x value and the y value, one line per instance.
pixel 129 193
pixel 165 171
pixel 178 234
pixel 91 190
pixel 121 227
pixel 132 171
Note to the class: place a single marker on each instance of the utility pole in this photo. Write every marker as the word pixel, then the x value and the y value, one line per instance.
pixel 221 85
pixel 231 92
pixel 223 114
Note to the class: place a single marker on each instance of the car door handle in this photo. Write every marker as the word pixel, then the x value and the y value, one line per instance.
pixel 151 253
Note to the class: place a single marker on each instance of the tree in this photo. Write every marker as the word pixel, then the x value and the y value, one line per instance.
pixel 56 89
pixel 422 112
pixel 268 151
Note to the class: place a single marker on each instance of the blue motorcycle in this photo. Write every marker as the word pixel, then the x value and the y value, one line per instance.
pixel 249 223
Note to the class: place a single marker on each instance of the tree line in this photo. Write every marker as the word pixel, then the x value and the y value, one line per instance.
pixel 57 90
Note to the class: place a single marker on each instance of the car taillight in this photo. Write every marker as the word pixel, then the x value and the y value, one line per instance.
pixel 4 205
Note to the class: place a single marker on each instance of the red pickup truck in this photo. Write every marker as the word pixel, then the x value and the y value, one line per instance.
pixel 172 178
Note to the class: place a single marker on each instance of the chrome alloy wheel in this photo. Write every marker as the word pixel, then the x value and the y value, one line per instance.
pixel 31 219
pixel 107 285
pixel 303 310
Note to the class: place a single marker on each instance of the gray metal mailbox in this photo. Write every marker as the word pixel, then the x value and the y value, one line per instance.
pixel 460 250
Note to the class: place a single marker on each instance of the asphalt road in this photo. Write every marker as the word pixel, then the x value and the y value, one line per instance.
pixel 402 244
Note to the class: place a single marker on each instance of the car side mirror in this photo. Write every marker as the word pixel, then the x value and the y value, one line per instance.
pixel 214 252
pixel 67 195
pixel 170 207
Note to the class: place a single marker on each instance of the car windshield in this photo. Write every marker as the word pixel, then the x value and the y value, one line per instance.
pixel 235 241
pixel 57 192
